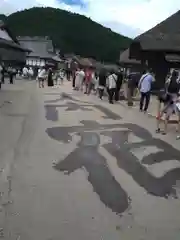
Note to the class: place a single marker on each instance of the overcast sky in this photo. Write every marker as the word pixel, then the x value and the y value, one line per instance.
pixel 129 17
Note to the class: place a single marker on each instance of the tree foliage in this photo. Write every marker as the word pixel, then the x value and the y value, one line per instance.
pixel 70 32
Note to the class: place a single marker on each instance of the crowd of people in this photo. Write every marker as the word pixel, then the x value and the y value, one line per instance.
pixel 54 77
pixel 89 80
pixel 111 81
pixel 27 72
pixel 9 72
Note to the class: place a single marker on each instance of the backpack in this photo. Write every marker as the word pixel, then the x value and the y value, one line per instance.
pixel 174 86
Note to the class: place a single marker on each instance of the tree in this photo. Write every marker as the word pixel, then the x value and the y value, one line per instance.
pixel 70 32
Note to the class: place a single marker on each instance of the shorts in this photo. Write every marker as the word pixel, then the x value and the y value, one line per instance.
pixel 171 109
pixel 40 79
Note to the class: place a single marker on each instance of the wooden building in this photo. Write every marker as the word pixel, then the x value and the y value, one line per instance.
pixel 11 52
pixel 159 47
pixel 126 61
pixel 42 51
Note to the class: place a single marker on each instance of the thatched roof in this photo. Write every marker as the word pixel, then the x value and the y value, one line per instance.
pixel 57 59
pixel 85 62
pixel 40 46
pixel 110 67
pixel 163 37
pixel 124 59
pixel 8 39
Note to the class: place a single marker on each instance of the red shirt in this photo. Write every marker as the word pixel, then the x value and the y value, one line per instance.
pixel 88 75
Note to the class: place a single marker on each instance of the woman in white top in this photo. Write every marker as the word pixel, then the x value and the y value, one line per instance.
pixel 79 79
pixel 41 77
pixel 31 73
pixel 25 72
pixel 111 85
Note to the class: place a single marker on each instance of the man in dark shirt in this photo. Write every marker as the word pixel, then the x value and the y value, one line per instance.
pixel 102 82
pixel 132 82
pixel 118 84
pixel 2 73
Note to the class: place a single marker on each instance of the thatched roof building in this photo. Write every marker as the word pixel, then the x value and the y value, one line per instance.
pixel 164 37
pixel 159 48
pixel 84 62
pixel 40 46
pixel 11 52
pixel 125 60
pixel 76 60
pixel 42 51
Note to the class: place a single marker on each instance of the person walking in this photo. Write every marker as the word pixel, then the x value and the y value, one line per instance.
pixel 92 82
pixel 61 76
pixel 25 72
pixel 145 84
pixel 68 71
pixel 170 99
pixel 79 79
pixel 74 79
pixel 41 77
pixel 31 73
pixel 132 84
pixel 50 78
pixel 102 83
pixel 118 85
pixel 96 82
pixel 12 73
pixel 3 70
pixel 111 86
pixel 88 79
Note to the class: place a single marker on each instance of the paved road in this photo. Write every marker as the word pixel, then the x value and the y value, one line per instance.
pixel 75 167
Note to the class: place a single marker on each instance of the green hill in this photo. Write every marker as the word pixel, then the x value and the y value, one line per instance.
pixel 70 32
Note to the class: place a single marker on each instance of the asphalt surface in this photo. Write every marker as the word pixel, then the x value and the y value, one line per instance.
pixel 74 167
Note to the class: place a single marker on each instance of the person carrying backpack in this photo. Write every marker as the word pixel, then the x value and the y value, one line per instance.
pixel 172 88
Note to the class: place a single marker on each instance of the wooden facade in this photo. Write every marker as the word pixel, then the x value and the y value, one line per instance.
pixel 42 51
pixel 157 48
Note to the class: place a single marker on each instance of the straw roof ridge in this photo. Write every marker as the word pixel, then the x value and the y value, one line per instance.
pixel 164 36
pixel 124 58
pixel 40 46
pixel 14 43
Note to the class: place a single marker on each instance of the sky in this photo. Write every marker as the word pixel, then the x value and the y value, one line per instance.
pixel 128 17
